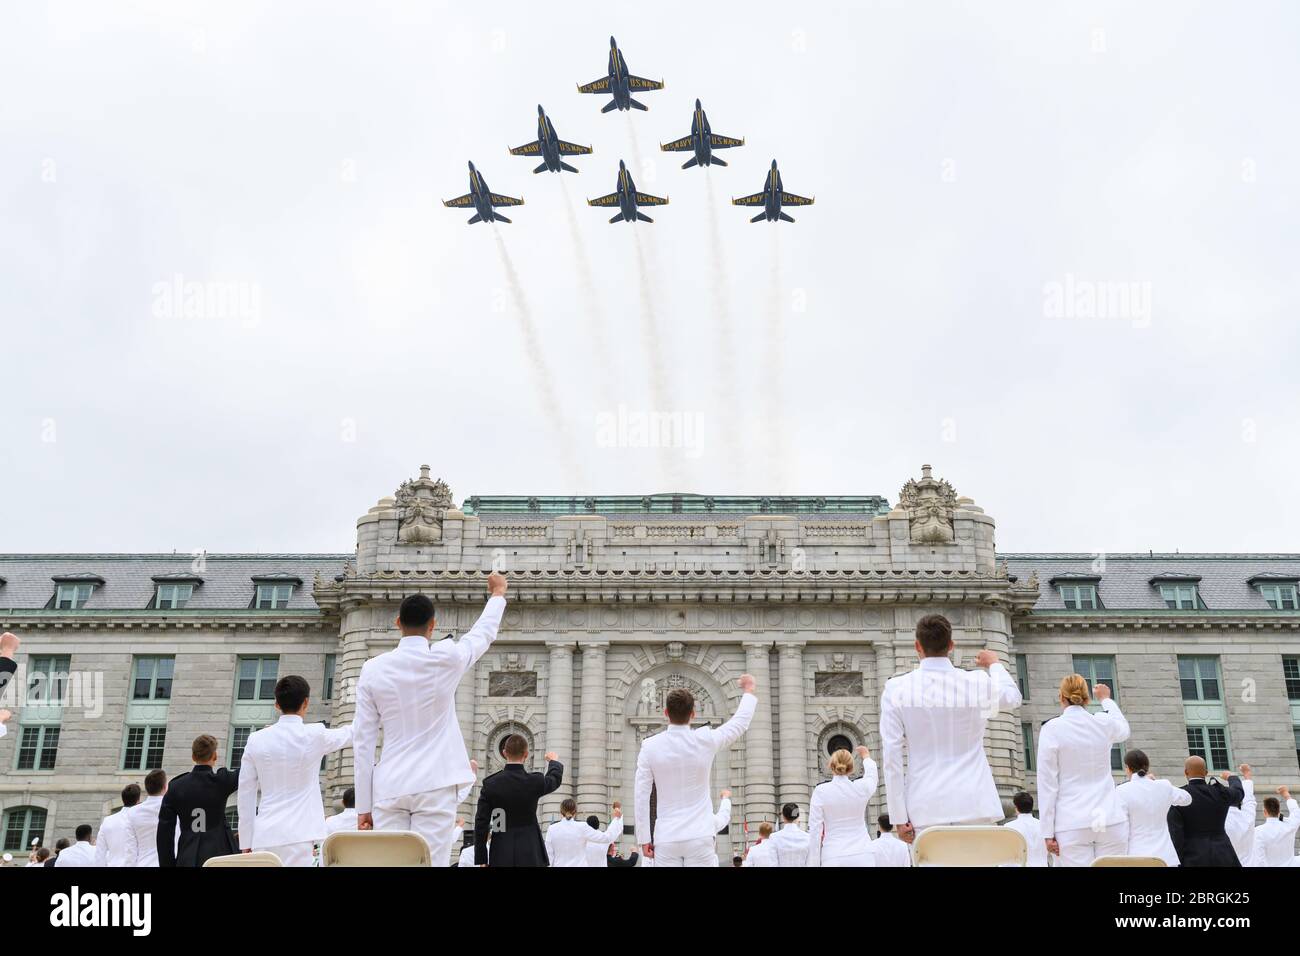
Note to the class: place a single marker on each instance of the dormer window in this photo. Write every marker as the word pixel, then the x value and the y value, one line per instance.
pixel 272 596
pixel 1079 597
pixel 69 597
pixel 1278 592
pixel 173 596
pixel 1180 597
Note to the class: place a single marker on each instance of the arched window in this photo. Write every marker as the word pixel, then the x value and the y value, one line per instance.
pixel 22 825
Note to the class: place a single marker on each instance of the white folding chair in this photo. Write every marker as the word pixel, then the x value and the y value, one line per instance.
pixel 375 848
pixel 256 858
pixel 1128 861
pixel 970 846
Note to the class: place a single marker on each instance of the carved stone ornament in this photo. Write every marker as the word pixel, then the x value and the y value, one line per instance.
pixel 929 504
pixel 421 504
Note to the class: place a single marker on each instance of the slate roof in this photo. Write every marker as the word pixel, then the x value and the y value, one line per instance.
pixel 227 579
pixel 1126 578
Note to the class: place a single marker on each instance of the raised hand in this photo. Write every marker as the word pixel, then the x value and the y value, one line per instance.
pixel 4 715
pixel 618 811
pixel 473 766
pixel 1101 692
pixel 862 752
pixel 725 795
pixel 1245 770
pixel 497 584
pixel 986 658
pixel 550 755
pixel 9 644
pixel 1284 792
pixel 747 683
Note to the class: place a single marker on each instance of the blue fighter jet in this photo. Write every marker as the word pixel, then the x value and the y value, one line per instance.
pixel 482 199
pixel 627 199
pixel 549 146
pixel 703 141
pixel 620 84
pixel 772 198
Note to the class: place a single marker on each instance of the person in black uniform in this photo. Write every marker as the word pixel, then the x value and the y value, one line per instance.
pixel 198 800
pixel 1197 829
pixel 507 809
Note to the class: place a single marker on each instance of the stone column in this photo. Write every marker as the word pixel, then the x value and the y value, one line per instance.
pixel 559 722
pixel 466 695
pixel 760 782
pixel 794 742
pixel 354 650
pixel 593 738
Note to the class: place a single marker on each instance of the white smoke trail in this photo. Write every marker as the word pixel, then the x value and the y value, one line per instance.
pixel 773 377
pixel 660 390
pixel 727 400
pixel 590 303
pixel 545 383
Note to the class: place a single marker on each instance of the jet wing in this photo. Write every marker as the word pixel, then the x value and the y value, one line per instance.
pixel 528 149
pixel 677 145
pixel 465 200
pixel 596 86
pixel 790 199
pixel 610 200
pixel 754 200
pixel 500 200
pixel 641 83
pixel 573 149
pixel 645 199
pixel 717 141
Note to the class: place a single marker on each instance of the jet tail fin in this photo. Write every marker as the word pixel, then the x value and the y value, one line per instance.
pixel 501 218
pixel 540 169
pixel 689 163
pixel 714 161
pixel 640 106
pixel 643 217
pixel 785 217
pixel 618 218
pixel 759 218
pixel 611 105
pixel 477 218
pixel 564 165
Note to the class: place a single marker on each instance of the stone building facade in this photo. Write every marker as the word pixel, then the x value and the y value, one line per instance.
pixel 613 602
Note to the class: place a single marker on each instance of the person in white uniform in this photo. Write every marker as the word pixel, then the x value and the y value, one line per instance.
pixel 409 693
pixel 761 853
pixel 346 819
pixel 116 844
pixel 144 819
pixel 567 838
pixel 1078 813
pixel 1026 824
pixel 81 853
pixel 676 764
pixel 837 814
pixel 887 848
pixel 1275 837
pixel 598 853
pixel 280 806
pixel 1146 802
pixel 935 715
pixel 790 843
pixel 1240 822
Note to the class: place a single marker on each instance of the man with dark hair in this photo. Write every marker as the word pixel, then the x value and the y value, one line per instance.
pixel 81 853
pixel 676 764
pixel 283 761
pixel 409 693
pixel 116 844
pixel 936 715
pixel 60 845
pixel 507 809
pixel 196 802
pixel 347 820
pixel 790 843
pixel 1275 837
pixel 143 819
pixel 1026 824
pixel 887 849
pixel 1197 829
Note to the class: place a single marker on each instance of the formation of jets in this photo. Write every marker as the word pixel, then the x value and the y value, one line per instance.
pixel 619 83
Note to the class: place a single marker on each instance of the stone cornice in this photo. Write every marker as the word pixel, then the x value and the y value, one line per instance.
pixel 195 620
pixel 1156 620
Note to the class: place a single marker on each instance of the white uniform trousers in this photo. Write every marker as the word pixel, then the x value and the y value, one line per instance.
pixel 292 854
pixel 698 852
pixel 431 814
pixel 1080 847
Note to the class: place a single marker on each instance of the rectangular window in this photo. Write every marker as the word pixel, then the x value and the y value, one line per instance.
pixel 1097 670
pixel 1079 597
pixel 47 679
pixel 172 596
pixel 153 678
pixel 1181 597
pixel 1291 674
pixel 1117 759
pixel 257 678
pixel 1280 597
pixel 69 597
pixel 238 741
pixel 1027 733
pixel 1198 678
pixel 1211 744
pixel 272 596
pixel 38 748
pixel 1022 675
pixel 144 748
pixel 22 825
pixel 232 821
pixel 327 692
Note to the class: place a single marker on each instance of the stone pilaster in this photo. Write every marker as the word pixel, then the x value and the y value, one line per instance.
pixel 559 721
pixel 465 717
pixel 593 737
pixel 760 776
pixel 794 736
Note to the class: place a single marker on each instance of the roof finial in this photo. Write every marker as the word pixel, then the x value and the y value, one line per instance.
pixel 424 472
pixel 925 471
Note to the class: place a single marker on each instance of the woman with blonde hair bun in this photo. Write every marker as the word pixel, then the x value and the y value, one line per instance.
pixel 837 815
pixel 1079 814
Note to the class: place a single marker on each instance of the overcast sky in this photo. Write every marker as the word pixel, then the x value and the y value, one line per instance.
pixel 986 177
